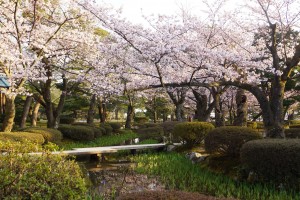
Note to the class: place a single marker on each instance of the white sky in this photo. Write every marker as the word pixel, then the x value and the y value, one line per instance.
pixel 133 9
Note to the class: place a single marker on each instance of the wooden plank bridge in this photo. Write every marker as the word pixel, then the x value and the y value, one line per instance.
pixel 105 150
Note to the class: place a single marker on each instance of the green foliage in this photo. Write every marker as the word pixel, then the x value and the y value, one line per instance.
pixel 178 173
pixel 116 126
pixel 149 141
pixel 107 127
pixel 22 136
pixel 98 131
pixel 23 176
pixel 102 141
pixel 275 160
pixel 141 119
pixel 155 132
pixel 252 125
pixel 192 132
pixel 229 140
pixel 294 122
pixel 66 119
pixel 49 134
pixel 260 125
pixel 292 133
pixel 77 132
pixel 292 126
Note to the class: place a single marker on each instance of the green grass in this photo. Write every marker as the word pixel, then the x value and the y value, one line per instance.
pixel 99 142
pixel 179 173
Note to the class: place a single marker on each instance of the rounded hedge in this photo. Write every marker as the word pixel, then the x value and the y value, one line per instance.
pixel 292 133
pixel 107 127
pixel 141 119
pixel 229 140
pixel 155 132
pixel 77 132
pixel 47 176
pixel 192 132
pixel 21 137
pixel 275 160
pixel 66 120
pixel 98 131
pixel 49 134
pixel 116 126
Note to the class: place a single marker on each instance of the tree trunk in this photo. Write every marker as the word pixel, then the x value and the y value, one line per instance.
pixel 178 98
pixel 117 113
pixel 10 112
pixel 102 110
pixel 91 111
pixel 35 112
pixel 178 112
pixel 25 111
pixel 219 116
pixel 203 111
pixel 130 112
pixel 241 111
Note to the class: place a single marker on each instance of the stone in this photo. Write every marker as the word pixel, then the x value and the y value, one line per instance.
pixel 171 147
pixel 195 157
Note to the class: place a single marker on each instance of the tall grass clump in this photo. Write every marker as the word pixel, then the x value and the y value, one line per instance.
pixel 179 173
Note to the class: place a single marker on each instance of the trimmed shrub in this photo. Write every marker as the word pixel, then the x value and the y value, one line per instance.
pixel 107 127
pixel 98 131
pixel 192 132
pixel 150 133
pixel 252 125
pixel 21 137
pixel 294 122
pixel 49 134
pixel 260 125
pixel 116 126
pixel 141 119
pixel 292 133
pixel 275 160
pixel 229 140
pixel 65 119
pixel 24 176
pixel 77 132
pixel 294 126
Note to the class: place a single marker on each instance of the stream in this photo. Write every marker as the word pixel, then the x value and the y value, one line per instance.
pixel 115 175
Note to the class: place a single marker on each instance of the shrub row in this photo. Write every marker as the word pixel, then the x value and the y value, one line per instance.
pixel 50 135
pixel 192 132
pixel 155 132
pixel 229 140
pixel 22 137
pixel 38 177
pixel 81 132
pixel 275 160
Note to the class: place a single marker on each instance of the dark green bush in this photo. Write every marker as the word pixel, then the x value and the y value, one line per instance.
pixel 252 125
pixel 292 133
pixel 192 132
pixel 98 131
pixel 294 122
pixel 150 133
pixel 229 140
pixel 77 132
pixel 141 119
pixel 24 176
pixel 260 125
pixel 107 127
pixel 116 126
pixel 65 119
pixel 292 126
pixel 21 137
pixel 275 160
pixel 49 134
